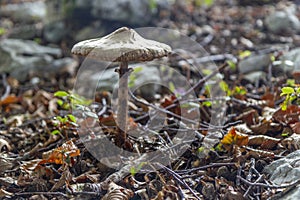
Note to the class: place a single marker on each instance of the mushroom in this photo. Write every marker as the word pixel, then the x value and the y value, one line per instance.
pixel 123 45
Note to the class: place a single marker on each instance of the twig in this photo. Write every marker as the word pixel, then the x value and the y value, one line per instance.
pixel 205 167
pixel 160 109
pixel 6 85
pixel 251 186
pixel 178 179
pixel 42 193
pixel 267 185
pixel 202 81
pixel 210 58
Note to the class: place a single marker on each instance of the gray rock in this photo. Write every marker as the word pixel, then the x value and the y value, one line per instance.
pixel 129 11
pixel 282 21
pixel 254 63
pixel 83 3
pixel 55 31
pixel 21 57
pixel 94 31
pixel 286 171
pixel 25 12
pixel 290 60
pixel 254 77
pixel 25 32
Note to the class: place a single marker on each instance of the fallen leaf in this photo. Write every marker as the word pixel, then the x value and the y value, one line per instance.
pixel 295 127
pixel 61 154
pixel 263 141
pixel 234 137
pixel 10 100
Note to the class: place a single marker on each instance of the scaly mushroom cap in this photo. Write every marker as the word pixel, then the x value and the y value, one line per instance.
pixel 122 45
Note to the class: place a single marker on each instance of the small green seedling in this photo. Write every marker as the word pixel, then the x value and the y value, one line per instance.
pixel 63 123
pixel 134 170
pixel 290 95
pixel 68 100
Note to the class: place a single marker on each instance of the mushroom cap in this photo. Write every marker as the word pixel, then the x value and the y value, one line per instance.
pixel 122 45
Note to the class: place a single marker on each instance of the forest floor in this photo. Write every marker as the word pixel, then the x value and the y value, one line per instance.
pixel 55 144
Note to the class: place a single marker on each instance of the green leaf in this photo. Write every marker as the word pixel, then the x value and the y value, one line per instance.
pixel 172 87
pixel 55 132
pixel 287 90
pixel 290 82
pixel 240 90
pixel 284 134
pixel 231 64
pixel 200 149
pixel 206 103
pixel 224 86
pixel 72 118
pixel 59 118
pixel 59 102
pixel 61 94
pixel 284 105
pixel 2 31
pixel 272 58
pixel 132 171
pixel 206 3
pixel 244 54
pixel 153 4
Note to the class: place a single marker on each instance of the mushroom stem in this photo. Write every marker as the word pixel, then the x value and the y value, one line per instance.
pixel 122 101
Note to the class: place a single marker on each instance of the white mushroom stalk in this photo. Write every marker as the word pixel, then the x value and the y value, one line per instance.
pixel 123 45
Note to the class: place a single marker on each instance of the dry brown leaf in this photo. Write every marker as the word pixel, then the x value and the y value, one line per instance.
pixel 117 192
pixel 250 117
pixel 269 98
pixel 65 179
pixel 10 100
pixel 4 145
pixel 263 141
pixel 5 164
pixel 295 127
pixel 61 154
pixel 288 116
pixel 292 143
pixel 169 101
pixel 5 194
pixel 234 137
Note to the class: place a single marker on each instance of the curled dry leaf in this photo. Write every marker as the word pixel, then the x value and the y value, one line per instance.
pixel 61 154
pixel 261 128
pixel 5 194
pixel 250 117
pixel 269 98
pixel 117 192
pixel 292 143
pixel 288 116
pixel 5 163
pixel 168 102
pixel 64 179
pixel 295 127
pixel 263 141
pixel 4 145
pixel 234 137
pixel 9 100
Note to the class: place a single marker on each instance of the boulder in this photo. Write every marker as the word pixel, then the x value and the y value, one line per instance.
pixel 286 171
pixel 136 12
pixel 254 63
pixel 25 12
pixel 291 60
pixel 21 57
pixel 284 21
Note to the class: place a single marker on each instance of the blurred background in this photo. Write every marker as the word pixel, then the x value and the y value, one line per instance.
pixel 35 34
